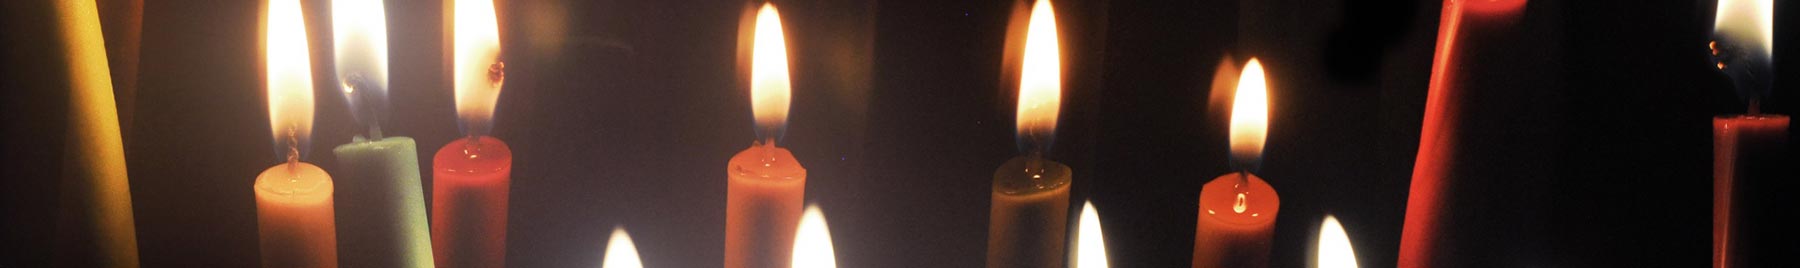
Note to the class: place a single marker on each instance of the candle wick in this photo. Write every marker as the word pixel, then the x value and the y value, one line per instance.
pixel 1755 107
pixel 374 132
pixel 293 146
pixel 766 146
pixel 1034 164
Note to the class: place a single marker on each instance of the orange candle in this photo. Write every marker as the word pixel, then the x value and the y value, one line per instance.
pixel 1460 21
pixel 1237 211
pixel 472 177
pixel 294 213
pixel 1028 216
pixel 1749 151
pixel 765 185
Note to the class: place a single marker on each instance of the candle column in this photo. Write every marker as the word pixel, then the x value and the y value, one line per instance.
pixel 472 177
pixel 294 212
pixel 1028 216
pixel 1237 210
pixel 95 225
pixel 765 185
pixel 384 217
pixel 1751 168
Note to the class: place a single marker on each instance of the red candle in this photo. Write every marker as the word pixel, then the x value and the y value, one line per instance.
pixel 765 185
pixel 471 177
pixel 469 195
pixel 1742 146
pixel 1460 20
pixel 1237 211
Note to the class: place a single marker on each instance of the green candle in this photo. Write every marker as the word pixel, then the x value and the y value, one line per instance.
pixel 382 222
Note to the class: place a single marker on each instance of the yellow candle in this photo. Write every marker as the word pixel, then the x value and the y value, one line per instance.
pixel 95 224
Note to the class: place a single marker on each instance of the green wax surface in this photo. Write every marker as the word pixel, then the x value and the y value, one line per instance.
pixel 381 205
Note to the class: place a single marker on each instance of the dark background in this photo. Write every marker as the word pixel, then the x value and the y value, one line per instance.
pixel 1588 126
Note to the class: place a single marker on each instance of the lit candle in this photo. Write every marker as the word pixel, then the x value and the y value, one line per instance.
pixel 384 213
pixel 293 199
pixel 765 185
pixel 1748 149
pixel 472 177
pixel 1030 196
pixel 812 241
pixel 620 251
pixel 1461 21
pixel 1090 241
pixel 94 222
pixel 1334 246
pixel 1237 210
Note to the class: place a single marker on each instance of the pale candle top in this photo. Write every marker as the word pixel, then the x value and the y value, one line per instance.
pixel 295 183
pixel 289 78
pixel 1040 80
pixel 478 71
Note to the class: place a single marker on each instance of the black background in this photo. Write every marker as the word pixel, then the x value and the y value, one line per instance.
pixel 1589 125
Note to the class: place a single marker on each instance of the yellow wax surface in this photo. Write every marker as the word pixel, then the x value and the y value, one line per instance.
pixel 295 218
pixel 1229 233
pixel 96 226
pixel 1028 219
pixel 764 195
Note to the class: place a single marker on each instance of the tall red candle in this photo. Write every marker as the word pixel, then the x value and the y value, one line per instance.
pixel 470 182
pixel 1740 143
pixel 471 176
pixel 1750 164
pixel 1460 21
pixel 765 184
pixel 1237 213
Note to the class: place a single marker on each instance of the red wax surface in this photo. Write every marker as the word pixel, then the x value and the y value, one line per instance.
pixel 765 189
pixel 469 189
pixel 1731 137
pixel 1224 235
pixel 1424 205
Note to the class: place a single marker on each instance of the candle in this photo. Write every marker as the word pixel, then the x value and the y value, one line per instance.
pixel 384 216
pixel 1090 241
pixel 620 251
pixel 1334 249
pixel 472 177
pixel 293 199
pixel 1461 21
pixel 1238 210
pixel 765 185
pixel 95 223
pixel 812 241
pixel 1030 197
pixel 1749 151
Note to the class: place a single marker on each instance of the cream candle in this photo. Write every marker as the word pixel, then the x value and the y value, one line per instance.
pixel 765 185
pixel 293 200
pixel 1028 213
pixel 95 226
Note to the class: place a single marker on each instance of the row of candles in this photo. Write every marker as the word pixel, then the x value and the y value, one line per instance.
pixel 767 223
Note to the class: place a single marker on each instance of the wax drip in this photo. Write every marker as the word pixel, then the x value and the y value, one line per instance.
pixel 1242 190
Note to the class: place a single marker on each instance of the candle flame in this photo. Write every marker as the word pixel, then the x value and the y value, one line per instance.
pixel 812 241
pixel 359 35
pixel 1040 79
pixel 770 89
pixel 620 251
pixel 1250 115
pixel 1090 243
pixel 479 73
pixel 1334 246
pixel 289 78
pixel 1743 44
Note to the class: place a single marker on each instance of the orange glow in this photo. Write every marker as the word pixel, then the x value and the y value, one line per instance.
pixel 620 251
pixel 1040 79
pixel 1090 242
pixel 359 36
pixel 1250 114
pixel 1334 246
pixel 770 90
pixel 478 71
pixel 289 74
